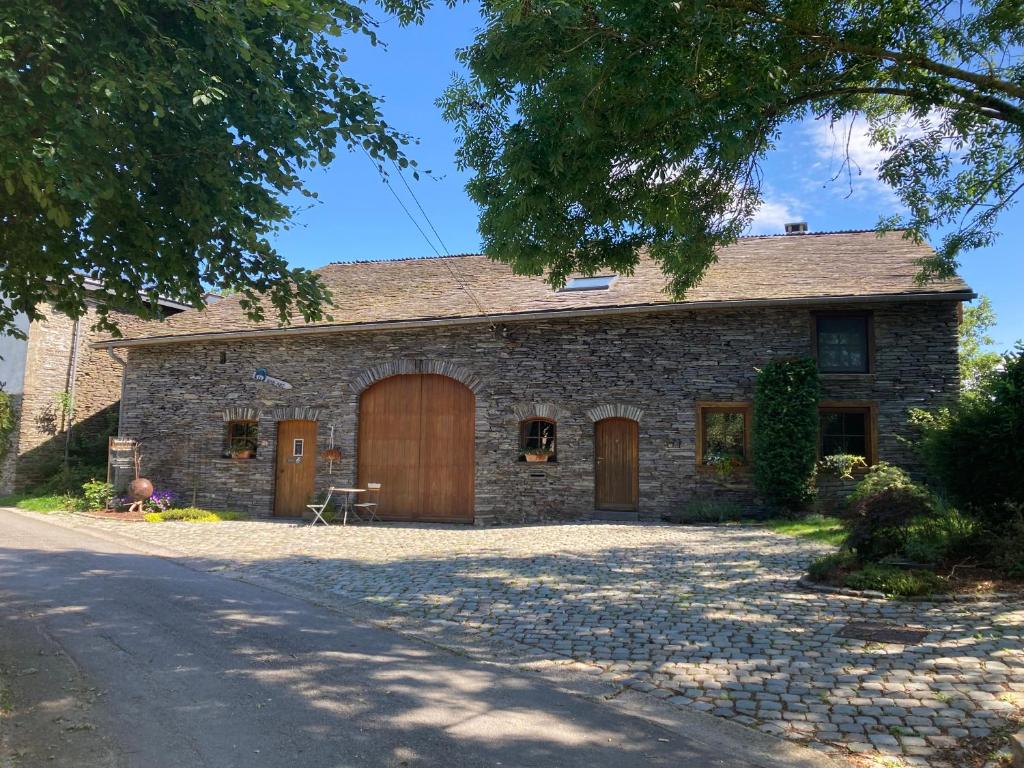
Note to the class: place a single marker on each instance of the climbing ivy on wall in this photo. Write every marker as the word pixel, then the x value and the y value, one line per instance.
pixel 785 438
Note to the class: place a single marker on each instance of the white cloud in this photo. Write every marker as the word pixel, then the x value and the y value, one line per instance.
pixel 849 140
pixel 773 215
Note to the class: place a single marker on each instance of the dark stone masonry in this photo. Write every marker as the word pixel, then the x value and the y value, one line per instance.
pixel 653 367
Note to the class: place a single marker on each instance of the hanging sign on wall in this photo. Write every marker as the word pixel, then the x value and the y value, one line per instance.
pixel 261 375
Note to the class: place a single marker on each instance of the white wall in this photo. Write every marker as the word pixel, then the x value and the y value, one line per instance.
pixel 12 358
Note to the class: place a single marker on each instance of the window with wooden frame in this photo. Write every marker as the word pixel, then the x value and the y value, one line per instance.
pixel 241 439
pixel 847 428
pixel 723 433
pixel 537 440
pixel 843 341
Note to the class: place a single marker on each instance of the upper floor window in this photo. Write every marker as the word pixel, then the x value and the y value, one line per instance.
pixel 843 342
pixel 846 429
pixel 723 433
pixel 241 439
pixel 537 440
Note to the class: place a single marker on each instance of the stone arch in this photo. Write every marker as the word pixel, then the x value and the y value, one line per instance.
pixel 534 410
pixel 296 413
pixel 406 365
pixel 242 413
pixel 615 411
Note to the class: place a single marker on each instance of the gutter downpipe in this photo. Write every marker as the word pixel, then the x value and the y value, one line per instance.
pixel 72 380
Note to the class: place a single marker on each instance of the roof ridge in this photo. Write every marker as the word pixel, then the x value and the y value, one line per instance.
pixel 825 232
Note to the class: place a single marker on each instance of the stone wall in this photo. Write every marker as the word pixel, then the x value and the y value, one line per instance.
pixel 654 367
pixel 38 444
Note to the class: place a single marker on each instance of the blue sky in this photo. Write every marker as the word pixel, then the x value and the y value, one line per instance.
pixel 358 217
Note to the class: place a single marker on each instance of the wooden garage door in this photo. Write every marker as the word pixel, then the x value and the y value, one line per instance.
pixel 617 453
pixel 416 438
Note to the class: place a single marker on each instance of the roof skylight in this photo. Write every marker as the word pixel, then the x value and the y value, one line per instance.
pixel 596 283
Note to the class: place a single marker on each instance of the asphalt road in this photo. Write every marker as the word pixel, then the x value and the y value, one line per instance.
pixel 189 668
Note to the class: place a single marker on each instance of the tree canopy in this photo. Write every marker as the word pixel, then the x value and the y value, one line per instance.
pixel 977 360
pixel 155 145
pixel 594 129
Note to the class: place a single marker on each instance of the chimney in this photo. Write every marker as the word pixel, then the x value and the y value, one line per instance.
pixel 796 228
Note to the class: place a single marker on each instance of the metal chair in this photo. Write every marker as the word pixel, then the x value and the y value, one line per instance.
pixel 370 507
pixel 318 509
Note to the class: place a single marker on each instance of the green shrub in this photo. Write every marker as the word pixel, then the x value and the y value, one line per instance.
pixel 946 536
pixel 785 432
pixel 192 515
pixel 8 421
pixel 880 477
pixel 895 582
pixel 69 478
pixel 976 450
pixel 1005 551
pixel 828 568
pixel 97 494
pixel 708 511
pixel 33 502
pixel 878 525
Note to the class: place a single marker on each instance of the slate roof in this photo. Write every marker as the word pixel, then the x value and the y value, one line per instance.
pixel 755 269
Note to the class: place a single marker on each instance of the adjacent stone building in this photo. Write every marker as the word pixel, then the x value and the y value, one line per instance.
pixel 475 395
pixel 65 391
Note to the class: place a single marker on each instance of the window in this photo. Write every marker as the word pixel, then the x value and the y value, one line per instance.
pixel 297 447
pixel 843 342
pixel 241 439
pixel 846 429
pixel 537 440
pixel 598 283
pixel 723 433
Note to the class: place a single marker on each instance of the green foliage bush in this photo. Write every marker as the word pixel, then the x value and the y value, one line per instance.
pixel 69 478
pixel 709 511
pixel 975 451
pixel 97 494
pixel 785 432
pixel 192 515
pixel 8 420
pixel 895 582
pixel 878 524
pixel 948 535
pixel 827 567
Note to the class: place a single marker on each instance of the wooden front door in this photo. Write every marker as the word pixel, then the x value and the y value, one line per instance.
pixel 417 439
pixel 617 453
pixel 296 467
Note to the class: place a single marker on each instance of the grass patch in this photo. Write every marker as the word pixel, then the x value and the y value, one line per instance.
pixel 700 511
pixel 34 502
pixel 895 582
pixel 193 515
pixel 816 527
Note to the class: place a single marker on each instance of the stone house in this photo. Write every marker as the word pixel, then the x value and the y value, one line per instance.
pixel 64 390
pixel 440 377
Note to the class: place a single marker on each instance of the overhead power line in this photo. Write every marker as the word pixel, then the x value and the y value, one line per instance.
pixel 387 182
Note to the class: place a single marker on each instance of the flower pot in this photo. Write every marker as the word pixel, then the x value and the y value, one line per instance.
pixel 140 489
pixel 243 454
pixel 536 457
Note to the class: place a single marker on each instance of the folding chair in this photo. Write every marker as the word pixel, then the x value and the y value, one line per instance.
pixel 318 509
pixel 370 506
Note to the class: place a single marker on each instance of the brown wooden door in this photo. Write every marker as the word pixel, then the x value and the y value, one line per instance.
pixel 416 438
pixel 296 467
pixel 616 475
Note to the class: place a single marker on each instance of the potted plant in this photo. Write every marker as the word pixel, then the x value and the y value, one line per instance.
pixel 723 464
pixel 542 451
pixel 331 455
pixel 243 453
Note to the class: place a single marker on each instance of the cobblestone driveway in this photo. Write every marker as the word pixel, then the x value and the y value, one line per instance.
pixel 708 618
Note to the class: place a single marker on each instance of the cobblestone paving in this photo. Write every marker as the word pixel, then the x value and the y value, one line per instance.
pixel 707 618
